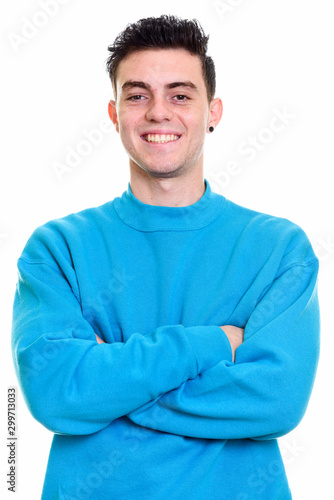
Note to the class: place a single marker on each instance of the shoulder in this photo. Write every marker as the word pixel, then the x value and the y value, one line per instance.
pixel 275 234
pixel 58 236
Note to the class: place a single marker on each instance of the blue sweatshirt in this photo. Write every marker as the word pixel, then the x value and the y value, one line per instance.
pixel 160 411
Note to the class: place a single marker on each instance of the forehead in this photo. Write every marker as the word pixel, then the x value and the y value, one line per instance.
pixel 160 66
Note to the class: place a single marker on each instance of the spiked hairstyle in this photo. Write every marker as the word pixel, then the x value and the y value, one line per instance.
pixel 164 32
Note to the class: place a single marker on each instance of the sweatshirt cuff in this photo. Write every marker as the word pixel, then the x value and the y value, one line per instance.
pixel 210 345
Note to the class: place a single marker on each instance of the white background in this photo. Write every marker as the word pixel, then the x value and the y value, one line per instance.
pixel 269 56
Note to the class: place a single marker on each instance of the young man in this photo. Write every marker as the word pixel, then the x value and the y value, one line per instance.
pixel 169 336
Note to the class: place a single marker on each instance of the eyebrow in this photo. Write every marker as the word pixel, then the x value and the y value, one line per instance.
pixel 134 84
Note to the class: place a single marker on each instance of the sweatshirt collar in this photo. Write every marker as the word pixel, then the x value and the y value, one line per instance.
pixel 144 217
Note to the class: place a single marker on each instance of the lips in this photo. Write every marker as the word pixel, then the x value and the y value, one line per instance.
pixel 160 138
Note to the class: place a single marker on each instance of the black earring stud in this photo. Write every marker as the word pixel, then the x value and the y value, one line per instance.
pixel 211 129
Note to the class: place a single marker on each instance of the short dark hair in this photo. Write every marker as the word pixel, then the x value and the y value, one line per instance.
pixel 163 32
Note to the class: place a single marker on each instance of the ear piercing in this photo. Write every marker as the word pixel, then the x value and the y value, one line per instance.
pixel 211 129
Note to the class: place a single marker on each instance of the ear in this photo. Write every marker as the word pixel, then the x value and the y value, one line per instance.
pixel 113 114
pixel 215 112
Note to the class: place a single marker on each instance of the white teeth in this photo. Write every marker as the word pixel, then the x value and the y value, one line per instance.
pixel 161 138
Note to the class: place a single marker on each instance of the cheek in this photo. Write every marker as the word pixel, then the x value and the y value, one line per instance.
pixel 198 127
pixel 127 126
pixel 195 119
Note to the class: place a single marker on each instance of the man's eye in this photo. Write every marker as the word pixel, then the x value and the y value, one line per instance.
pixel 181 97
pixel 135 97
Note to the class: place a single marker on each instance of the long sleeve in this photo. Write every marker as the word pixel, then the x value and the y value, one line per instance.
pixel 71 384
pixel 156 283
pixel 265 393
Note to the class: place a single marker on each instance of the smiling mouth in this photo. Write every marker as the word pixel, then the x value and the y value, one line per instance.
pixel 160 138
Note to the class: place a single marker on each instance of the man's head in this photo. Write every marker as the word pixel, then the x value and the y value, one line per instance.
pixel 164 105
pixel 165 32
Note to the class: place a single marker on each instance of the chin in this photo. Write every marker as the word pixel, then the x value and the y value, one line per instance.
pixel 164 173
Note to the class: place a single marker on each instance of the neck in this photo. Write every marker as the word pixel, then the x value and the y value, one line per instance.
pixel 179 191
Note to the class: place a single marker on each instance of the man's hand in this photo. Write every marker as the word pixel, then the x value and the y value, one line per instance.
pixel 99 340
pixel 235 335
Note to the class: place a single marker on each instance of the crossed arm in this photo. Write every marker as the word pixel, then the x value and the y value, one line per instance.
pixel 264 394
pixel 234 334
pixel 175 379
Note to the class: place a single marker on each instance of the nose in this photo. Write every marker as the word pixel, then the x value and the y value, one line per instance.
pixel 159 110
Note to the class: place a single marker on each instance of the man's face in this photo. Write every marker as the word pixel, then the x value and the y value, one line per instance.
pixel 162 111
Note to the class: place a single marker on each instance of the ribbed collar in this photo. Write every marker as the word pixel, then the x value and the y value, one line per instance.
pixel 144 217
